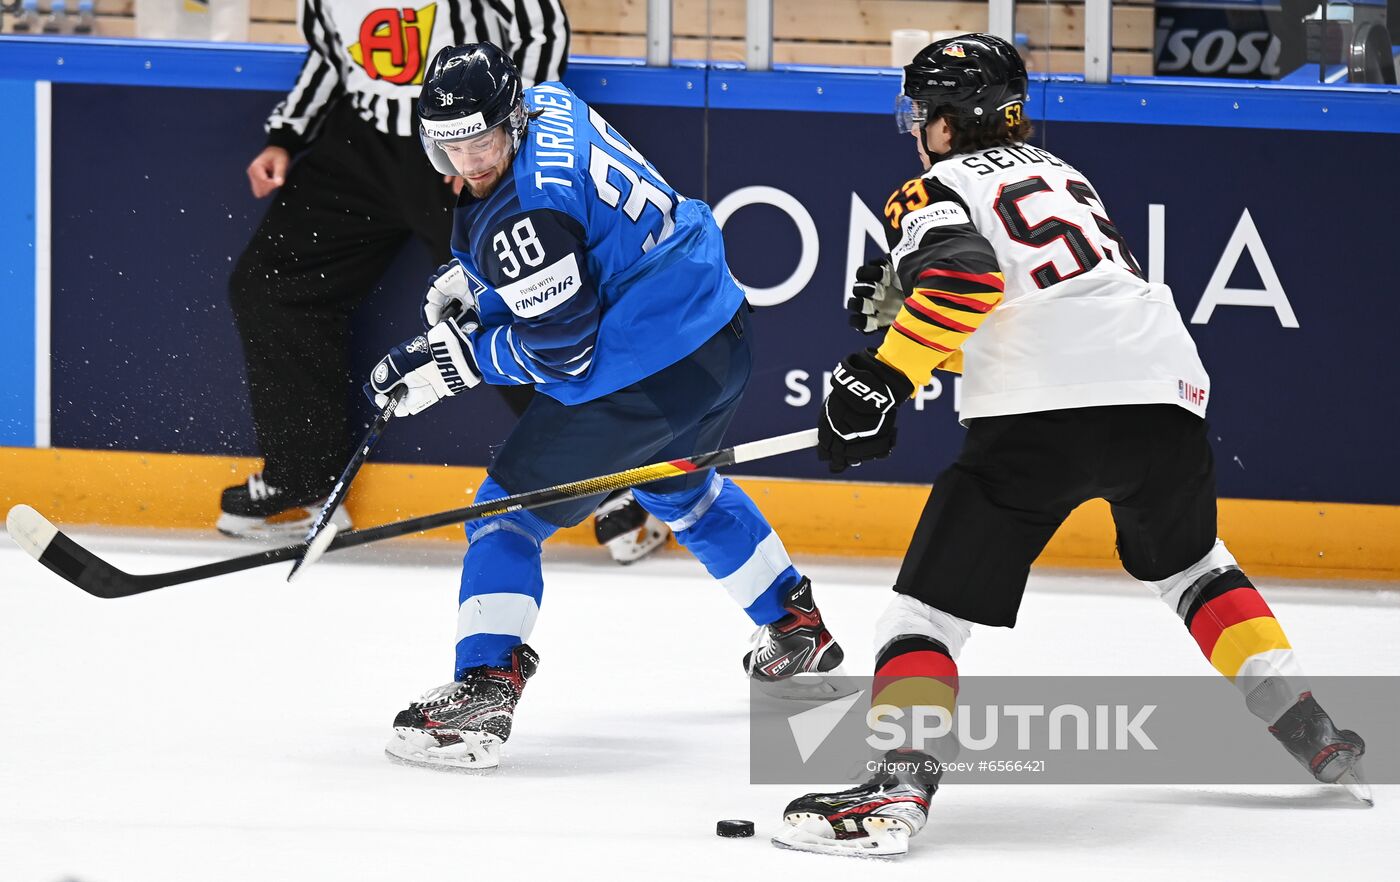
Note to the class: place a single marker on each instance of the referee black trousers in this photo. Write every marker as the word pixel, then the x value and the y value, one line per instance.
pixel 349 205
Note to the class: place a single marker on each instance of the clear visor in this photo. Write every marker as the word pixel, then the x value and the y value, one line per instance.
pixel 910 115
pixel 470 155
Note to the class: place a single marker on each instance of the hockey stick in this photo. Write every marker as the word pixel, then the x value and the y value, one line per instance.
pixel 318 538
pixel 48 545
pixel 342 487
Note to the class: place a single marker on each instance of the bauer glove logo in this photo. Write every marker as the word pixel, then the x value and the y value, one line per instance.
pixel 879 400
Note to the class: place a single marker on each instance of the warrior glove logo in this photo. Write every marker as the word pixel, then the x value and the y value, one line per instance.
pixel 447 366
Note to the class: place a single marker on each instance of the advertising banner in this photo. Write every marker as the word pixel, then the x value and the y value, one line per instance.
pixel 1273 242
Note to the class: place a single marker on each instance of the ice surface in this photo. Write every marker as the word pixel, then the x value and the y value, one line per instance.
pixel 233 730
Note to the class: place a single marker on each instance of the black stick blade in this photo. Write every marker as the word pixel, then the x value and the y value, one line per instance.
pixel 49 546
pixel 73 563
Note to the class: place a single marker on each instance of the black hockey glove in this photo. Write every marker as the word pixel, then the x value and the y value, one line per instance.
pixel 875 297
pixel 857 420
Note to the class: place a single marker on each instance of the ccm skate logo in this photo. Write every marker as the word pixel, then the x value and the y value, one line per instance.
pixel 1194 395
pixel 856 387
pixel 443 357
pixel 777 667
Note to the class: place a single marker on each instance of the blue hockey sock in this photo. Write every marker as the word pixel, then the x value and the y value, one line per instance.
pixel 502 584
pixel 725 531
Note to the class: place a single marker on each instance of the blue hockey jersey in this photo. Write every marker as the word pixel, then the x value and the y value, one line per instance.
pixel 591 272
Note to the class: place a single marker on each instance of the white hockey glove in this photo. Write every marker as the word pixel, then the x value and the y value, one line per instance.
pixel 875 297
pixel 449 285
pixel 431 366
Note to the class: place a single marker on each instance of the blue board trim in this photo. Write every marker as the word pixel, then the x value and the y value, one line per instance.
pixel 627 81
pixel 1139 100
pixel 1159 101
pixel 132 62
pixel 17 266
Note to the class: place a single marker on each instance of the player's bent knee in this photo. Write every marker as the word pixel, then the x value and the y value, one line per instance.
pixel 681 510
pixel 1217 561
pixel 523 522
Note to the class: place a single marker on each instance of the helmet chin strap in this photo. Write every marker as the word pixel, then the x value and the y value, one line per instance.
pixel 933 158
pixel 518 130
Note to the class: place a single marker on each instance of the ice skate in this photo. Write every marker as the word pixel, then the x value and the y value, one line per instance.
pixel 629 531
pixel 462 725
pixel 1331 755
pixel 796 656
pixel 874 819
pixel 259 510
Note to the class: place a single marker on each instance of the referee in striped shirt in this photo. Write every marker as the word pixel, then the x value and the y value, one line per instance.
pixel 360 186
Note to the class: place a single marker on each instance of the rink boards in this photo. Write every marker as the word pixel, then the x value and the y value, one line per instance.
pixel 1261 206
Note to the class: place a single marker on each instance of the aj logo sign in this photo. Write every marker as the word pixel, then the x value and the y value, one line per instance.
pixel 394 44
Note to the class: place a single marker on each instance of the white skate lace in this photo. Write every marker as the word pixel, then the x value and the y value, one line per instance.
pixel 258 488
pixel 762 647
pixel 445 692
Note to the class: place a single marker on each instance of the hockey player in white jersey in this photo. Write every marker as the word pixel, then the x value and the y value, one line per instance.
pixel 1079 382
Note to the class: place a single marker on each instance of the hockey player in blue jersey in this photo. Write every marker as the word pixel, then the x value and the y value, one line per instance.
pixel 580 271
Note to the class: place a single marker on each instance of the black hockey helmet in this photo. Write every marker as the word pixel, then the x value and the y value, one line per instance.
pixel 468 91
pixel 975 79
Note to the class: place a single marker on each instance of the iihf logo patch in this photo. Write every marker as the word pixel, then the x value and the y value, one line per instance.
pixel 381 373
pixel 1190 393
pixel 956 51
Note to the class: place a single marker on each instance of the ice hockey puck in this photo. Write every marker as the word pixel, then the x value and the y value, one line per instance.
pixel 734 829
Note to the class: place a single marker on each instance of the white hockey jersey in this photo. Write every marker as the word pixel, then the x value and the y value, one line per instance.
pixel 1076 324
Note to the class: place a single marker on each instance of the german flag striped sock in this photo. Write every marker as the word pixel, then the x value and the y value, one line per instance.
pixel 914 671
pixel 1238 634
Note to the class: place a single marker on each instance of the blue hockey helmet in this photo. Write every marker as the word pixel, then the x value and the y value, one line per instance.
pixel 469 90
